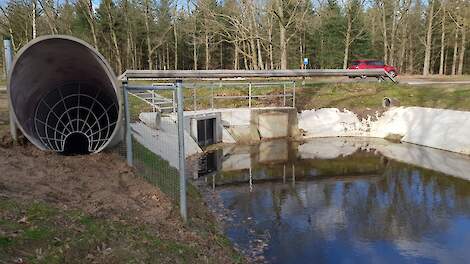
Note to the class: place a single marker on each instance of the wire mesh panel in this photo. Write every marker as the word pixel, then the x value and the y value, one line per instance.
pixel 78 113
pixel 153 125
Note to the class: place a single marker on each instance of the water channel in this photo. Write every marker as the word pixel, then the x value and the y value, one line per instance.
pixel 341 201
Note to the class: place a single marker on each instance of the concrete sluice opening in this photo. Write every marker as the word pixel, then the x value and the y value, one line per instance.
pixel 64 96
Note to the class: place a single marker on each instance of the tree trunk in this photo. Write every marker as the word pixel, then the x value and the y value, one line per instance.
pixel 117 52
pixel 411 68
pixel 462 51
pixel 391 54
pixel 221 55
pixel 347 42
pixel 235 56
pixel 49 18
pixel 443 40
pixel 384 33
pixel 245 60
pixel 91 22
pixel 301 54
pixel 34 18
pixel 427 52
pixel 282 35
pixel 194 52
pixel 206 37
pixel 167 56
pixel 147 34
pixel 175 35
pixel 454 58
pixel 270 39
pixel 260 56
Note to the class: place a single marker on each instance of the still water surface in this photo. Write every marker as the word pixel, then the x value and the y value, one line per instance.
pixel 339 201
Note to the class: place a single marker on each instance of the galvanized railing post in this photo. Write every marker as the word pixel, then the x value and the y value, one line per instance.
pixel 194 99
pixel 293 96
pixel 8 64
pixel 129 152
pixel 174 101
pixel 181 151
pixel 212 97
pixel 153 101
pixel 249 95
pixel 284 94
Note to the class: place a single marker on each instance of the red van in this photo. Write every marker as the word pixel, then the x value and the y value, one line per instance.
pixel 372 64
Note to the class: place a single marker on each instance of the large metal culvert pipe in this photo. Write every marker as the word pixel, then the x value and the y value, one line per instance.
pixel 64 95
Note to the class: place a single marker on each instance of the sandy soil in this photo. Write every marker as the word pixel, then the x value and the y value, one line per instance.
pixel 102 186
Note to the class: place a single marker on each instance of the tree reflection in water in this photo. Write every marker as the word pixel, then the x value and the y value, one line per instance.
pixel 362 208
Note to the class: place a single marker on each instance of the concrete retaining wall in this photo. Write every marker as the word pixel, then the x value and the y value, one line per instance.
pixel 436 128
pixel 243 125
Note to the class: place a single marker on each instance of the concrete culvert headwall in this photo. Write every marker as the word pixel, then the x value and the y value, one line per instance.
pixel 64 95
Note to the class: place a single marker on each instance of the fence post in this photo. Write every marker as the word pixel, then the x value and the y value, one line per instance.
pixel 153 101
pixel 181 151
pixel 194 99
pixel 174 101
pixel 8 64
pixel 284 93
pixel 249 95
pixel 129 152
pixel 212 97
pixel 293 97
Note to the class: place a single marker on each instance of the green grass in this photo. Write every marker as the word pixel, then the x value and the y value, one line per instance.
pixel 370 95
pixel 156 170
pixel 350 95
pixel 51 235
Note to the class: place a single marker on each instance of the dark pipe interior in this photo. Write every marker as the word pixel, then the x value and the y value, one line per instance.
pixel 73 109
pixel 387 102
pixel 76 144
pixel 59 87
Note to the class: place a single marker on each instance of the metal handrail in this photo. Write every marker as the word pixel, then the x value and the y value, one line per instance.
pixel 221 74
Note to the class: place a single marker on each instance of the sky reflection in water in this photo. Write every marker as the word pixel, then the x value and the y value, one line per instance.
pixel 348 204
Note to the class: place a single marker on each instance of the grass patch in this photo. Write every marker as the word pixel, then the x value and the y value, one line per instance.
pixel 370 95
pixel 314 95
pixel 39 233
pixel 156 170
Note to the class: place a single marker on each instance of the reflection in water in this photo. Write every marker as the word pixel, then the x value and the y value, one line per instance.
pixel 354 206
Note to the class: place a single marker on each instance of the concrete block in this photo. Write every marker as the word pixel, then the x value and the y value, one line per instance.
pixel 273 151
pixel 240 161
pixel 273 125
pixel 236 117
pixel 243 134
pixel 227 137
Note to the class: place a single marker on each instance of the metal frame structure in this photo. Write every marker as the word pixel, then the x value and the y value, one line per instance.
pixel 241 85
pixel 177 89
pixel 57 120
pixel 8 51
pixel 178 76
pixel 221 74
